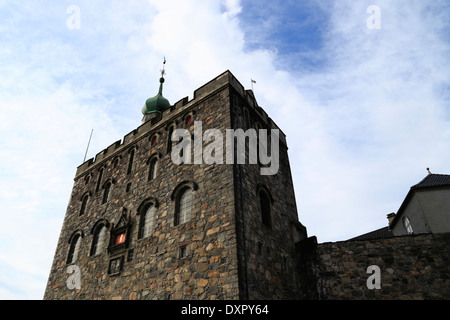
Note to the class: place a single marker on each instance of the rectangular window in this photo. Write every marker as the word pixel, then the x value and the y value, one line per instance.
pixel 182 253
pixel 99 181
pixel 120 238
pixel 106 192
pixel 130 162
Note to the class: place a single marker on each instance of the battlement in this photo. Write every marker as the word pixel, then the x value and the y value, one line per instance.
pixel 151 126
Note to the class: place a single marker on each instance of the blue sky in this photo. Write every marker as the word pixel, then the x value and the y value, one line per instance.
pixel 365 111
pixel 292 29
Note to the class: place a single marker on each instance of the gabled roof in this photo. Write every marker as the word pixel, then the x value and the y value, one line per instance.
pixel 431 181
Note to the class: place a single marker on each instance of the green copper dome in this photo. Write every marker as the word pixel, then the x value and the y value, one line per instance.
pixel 157 103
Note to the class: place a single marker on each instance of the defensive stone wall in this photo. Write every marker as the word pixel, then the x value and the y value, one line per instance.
pixel 397 268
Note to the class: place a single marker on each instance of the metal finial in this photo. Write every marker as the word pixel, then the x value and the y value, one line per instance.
pixel 428 169
pixel 163 72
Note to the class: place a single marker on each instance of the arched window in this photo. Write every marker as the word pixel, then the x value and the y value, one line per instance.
pixel 153 168
pixel 74 247
pixel 265 205
pixel 116 162
pixel 154 140
pixel 147 211
pixel 106 191
pixel 407 225
pixel 99 239
pixel 84 201
pixel 146 221
pixel 183 206
pixel 188 117
pixel 182 195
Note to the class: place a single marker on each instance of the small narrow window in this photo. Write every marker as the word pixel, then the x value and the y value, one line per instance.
pixel 128 187
pixel 154 140
pixel 116 163
pixel 107 188
pixel 84 201
pixel 130 161
pixel 188 120
pixel 182 252
pixel 264 202
pixel 99 181
pixel 153 168
pixel 87 179
pixel 169 140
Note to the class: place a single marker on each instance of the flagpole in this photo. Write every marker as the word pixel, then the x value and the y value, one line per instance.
pixel 87 148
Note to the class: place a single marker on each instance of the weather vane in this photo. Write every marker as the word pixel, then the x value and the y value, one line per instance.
pixel 163 72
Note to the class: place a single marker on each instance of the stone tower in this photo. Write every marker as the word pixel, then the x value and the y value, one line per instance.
pixel 140 225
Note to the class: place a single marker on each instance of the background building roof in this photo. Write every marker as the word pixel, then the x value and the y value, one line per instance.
pixel 432 181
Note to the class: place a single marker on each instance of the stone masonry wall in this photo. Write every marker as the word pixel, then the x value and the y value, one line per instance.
pixel 152 268
pixel 411 267
pixel 266 252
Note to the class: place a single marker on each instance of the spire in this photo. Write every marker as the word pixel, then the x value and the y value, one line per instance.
pixel 161 80
pixel 157 103
pixel 163 71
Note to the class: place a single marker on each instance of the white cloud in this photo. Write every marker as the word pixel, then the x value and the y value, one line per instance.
pixel 385 120
pixel 361 128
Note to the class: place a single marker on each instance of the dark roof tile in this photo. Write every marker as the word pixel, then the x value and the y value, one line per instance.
pixel 433 180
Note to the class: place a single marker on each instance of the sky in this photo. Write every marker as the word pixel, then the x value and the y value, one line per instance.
pixel 360 88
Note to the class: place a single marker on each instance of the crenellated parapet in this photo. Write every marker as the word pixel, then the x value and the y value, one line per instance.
pixel 158 123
